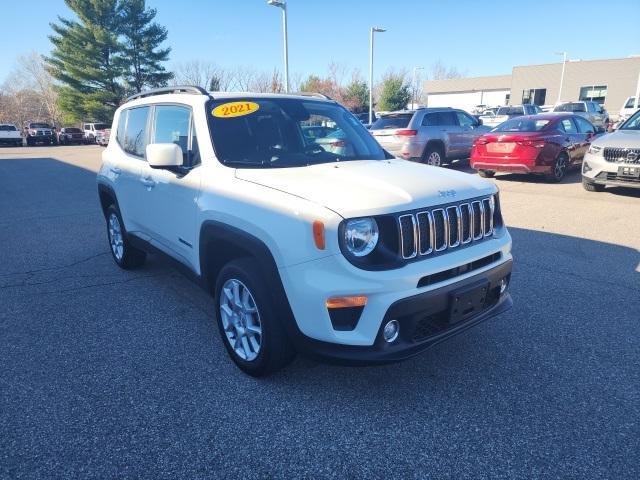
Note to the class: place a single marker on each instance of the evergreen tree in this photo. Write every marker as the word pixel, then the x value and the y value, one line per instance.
pixel 141 47
pixel 87 61
pixel 395 93
pixel 356 96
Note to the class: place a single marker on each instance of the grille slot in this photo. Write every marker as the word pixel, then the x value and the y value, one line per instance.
pixel 433 231
pixel 619 155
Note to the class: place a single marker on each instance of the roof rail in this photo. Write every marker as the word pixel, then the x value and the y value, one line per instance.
pixel 313 94
pixel 192 89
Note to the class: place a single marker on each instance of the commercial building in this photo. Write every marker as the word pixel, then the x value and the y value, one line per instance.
pixel 608 82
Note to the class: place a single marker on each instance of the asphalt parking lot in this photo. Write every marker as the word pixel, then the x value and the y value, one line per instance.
pixel 113 374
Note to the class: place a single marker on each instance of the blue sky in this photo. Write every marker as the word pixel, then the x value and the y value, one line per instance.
pixel 477 37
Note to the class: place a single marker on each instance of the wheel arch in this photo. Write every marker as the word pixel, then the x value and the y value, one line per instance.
pixel 107 197
pixel 437 143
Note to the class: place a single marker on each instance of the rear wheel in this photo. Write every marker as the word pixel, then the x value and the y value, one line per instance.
pixel 592 187
pixel 124 254
pixel 433 155
pixel 486 173
pixel 559 169
pixel 248 320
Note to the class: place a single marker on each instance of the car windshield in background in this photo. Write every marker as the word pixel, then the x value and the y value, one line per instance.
pixel 100 126
pixel 510 111
pixel 522 125
pixel 7 128
pixel 72 130
pixel 287 132
pixel 633 123
pixel 570 107
pixel 39 125
pixel 400 120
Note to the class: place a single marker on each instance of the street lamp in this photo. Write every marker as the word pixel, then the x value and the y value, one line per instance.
pixel 415 85
pixel 283 5
pixel 564 63
pixel 373 30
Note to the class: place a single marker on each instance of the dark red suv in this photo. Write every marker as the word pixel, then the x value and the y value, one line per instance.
pixel 547 144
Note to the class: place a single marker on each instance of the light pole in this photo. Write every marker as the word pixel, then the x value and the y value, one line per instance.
pixel 415 85
pixel 373 30
pixel 283 5
pixel 564 64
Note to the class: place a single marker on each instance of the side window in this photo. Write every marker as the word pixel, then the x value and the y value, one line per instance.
pixel 568 126
pixel 429 120
pixel 465 120
pixel 122 123
pixel 172 126
pixel 135 140
pixel 584 126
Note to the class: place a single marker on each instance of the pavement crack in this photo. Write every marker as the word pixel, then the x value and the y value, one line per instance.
pixel 50 269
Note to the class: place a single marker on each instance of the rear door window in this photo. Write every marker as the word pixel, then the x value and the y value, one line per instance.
pixel 568 126
pixel 136 135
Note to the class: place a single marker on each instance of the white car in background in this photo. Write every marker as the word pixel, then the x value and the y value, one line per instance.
pixel 10 135
pixel 628 109
pixel 507 113
pixel 91 131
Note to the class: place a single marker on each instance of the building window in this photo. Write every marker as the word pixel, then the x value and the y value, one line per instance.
pixel 593 93
pixel 534 96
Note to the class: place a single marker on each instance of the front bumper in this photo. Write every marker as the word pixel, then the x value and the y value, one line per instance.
pixel 424 322
pixel 595 169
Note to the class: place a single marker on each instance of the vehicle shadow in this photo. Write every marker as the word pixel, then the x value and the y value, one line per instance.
pixel 572 176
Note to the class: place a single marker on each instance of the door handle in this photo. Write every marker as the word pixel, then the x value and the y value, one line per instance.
pixel 148 182
pixel 115 170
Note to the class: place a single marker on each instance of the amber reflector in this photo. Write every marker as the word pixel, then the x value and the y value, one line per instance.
pixel 318 234
pixel 346 302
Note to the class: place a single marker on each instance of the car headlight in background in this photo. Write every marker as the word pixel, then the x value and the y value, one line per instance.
pixel 595 150
pixel 361 236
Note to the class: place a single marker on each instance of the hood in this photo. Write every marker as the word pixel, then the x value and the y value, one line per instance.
pixel 620 139
pixel 371 187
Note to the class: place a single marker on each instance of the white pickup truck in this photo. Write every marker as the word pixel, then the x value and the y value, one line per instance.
pixel 10 135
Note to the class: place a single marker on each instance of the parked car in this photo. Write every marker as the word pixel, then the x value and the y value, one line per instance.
pixel 91 131
pixel 357 257
pixel 614 159
pixel 505 113
pixel 364 117
pixel 102 137
pixel 546 144
pixel 592 111
pixel 39 132
pixel 336 142
pixel 428 135
pixel 10 135
pixel 628 108
pixel 69 135
pixel 311 132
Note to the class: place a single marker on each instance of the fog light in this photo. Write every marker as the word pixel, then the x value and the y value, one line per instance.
pixel 391 330
pixel 586 167
pixel 503 285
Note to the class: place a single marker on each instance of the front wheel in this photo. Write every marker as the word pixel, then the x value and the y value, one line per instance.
pixel 248 320
pixel 124 254
pixel 559 169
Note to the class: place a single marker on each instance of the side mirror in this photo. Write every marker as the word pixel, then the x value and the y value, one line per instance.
pixel 164 155
pixel 478 121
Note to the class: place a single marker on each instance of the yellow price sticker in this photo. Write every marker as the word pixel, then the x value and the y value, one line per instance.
pixel 234 109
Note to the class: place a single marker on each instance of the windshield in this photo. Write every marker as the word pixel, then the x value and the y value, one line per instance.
pixel 7 128
pixel 522 125
pixel 570 107
pixel 400 120
pixel 633 123
pixel 38 125
pixel 510 111
pixel 100 126
pixel 287 132
pixel 72 130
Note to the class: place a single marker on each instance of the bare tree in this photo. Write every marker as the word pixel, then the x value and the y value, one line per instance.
pixel 202 74
pixel 439 71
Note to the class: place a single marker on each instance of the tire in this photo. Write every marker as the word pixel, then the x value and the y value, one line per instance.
pixel 560 166
pixel 592 187
pixel 486 173
pixel 433 155
pixel 124 254
pixel 248 320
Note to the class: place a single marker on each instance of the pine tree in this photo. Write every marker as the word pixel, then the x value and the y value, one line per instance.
pixel 141 47
pixel 87 60
pixel 395 93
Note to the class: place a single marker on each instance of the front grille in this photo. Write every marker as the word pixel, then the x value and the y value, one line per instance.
pixel 619 178
pixel 622 155
pixel 440 229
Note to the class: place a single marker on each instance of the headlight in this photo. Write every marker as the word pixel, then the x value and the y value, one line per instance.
pixel 595 149
pixel 361 236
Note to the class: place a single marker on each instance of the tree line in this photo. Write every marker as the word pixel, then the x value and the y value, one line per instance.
pixel 114 48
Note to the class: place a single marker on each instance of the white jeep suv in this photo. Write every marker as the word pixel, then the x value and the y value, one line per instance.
pixel 614 159
pixel 342 253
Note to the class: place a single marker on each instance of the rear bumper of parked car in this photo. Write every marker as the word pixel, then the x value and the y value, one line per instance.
pixel 595 169
pixel 422 312
pixel 519 162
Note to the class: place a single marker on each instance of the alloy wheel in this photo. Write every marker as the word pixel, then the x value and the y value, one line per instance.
pixel 115 237
pixel 240 319
pixel 434 159
pixel 560 166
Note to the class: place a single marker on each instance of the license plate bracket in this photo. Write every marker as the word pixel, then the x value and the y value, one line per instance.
pixel 467 302
pixel 629 172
